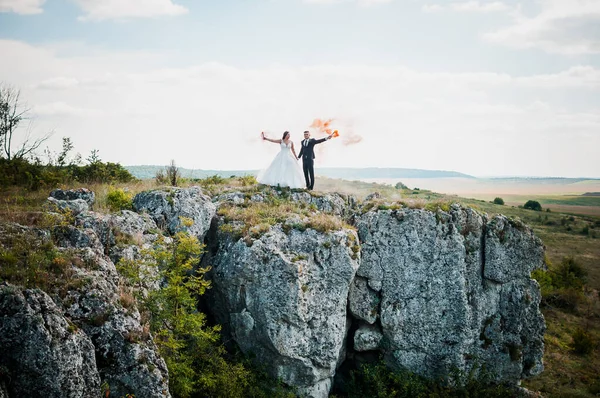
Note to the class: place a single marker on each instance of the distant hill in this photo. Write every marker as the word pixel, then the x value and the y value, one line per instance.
pixel 144 172
pixel 591 194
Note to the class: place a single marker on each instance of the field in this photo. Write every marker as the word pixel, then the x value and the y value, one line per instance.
pixel 571 228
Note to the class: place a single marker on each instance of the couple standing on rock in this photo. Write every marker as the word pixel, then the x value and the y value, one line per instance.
pixel 284 170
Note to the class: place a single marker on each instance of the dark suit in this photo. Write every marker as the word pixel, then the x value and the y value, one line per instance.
pixel 307 154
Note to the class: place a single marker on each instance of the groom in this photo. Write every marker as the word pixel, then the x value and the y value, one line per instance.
pixel 307 154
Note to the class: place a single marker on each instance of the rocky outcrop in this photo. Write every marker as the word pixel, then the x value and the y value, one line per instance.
pixel 126 356
pixel 74 194
pixel 43 354
pixel 450 290
pixel 167 207
pixel 298 291
pixel 283 300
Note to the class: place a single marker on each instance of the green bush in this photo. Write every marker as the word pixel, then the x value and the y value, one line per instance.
pixel 562 286
pixel 118 199
pixel 400 185
pixel 498 201
pixel 35 175
pixel 377 380
pixel 533 205
pixel 583 342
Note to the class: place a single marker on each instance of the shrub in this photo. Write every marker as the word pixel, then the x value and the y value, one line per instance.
pixel 247 180
pixel 498 201
pixel 118 199
pixel 400 185
pixel 562 286
pixel 35 175
pixel 376 380
pixel 583 342
pixel 585 230
pixel 533 205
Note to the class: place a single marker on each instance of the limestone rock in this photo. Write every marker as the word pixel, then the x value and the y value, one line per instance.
pixel 75 206
pixel 125 353
pixel 283 300
pixel 44 354
pixel 442 304
pixel 73 194
pixel 363 301
pixel 331 203
pixel 512 251
pixel 167 207
pixel 367 338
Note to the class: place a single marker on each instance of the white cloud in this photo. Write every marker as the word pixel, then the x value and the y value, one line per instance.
pixel 468 6
pixel 210 115
pixel 567 27
pixel 365 3
pixel 25 7
pixel 432 8
pixel 58 83
pixel 60 108
pixel 124 9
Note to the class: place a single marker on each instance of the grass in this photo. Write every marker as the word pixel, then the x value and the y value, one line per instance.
pixel 253 219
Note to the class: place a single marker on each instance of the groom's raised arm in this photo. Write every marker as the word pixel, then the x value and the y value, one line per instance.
pixel 321 140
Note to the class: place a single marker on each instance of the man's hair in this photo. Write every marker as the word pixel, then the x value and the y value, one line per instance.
pixel 307 132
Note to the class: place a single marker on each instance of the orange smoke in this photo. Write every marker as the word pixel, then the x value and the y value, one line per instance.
pixel 324 126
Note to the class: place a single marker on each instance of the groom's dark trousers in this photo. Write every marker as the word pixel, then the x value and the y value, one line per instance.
pixel 307 154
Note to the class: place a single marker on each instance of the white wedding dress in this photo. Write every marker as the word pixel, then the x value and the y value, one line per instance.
pixel 284 171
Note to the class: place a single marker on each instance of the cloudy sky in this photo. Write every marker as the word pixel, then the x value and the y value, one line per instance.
pixel 485 87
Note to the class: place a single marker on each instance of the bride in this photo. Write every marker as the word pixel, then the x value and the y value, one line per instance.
pixel 284 170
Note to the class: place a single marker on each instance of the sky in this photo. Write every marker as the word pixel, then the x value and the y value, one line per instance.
pixel 483 87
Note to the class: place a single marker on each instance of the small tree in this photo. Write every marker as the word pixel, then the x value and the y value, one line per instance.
pixel 12 113
pixel 498 201
pixel 400 185
pixel 172 173
pixel 533 205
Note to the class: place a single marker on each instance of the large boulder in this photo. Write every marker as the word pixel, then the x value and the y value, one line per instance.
pixel 73 194
pixel 451 290
pixel 282 298
pixel 167 207
pixel 44 354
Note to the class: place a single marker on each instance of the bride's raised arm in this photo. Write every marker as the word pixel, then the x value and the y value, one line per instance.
pixel 269 139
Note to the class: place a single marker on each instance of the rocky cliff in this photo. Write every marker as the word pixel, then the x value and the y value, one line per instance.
pixel 302 283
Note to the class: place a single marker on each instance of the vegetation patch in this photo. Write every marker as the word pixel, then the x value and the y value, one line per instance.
pixel 118 199
pixel 253 219
pixel 28 258
pixel 377 380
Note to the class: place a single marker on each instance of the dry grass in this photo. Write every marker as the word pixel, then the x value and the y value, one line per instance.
pixel 256 218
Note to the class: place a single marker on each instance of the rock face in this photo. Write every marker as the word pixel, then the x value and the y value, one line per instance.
pixel 167 208
pixel 44 354
pixel 125 354
pixel 283 300
pixel 450 291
